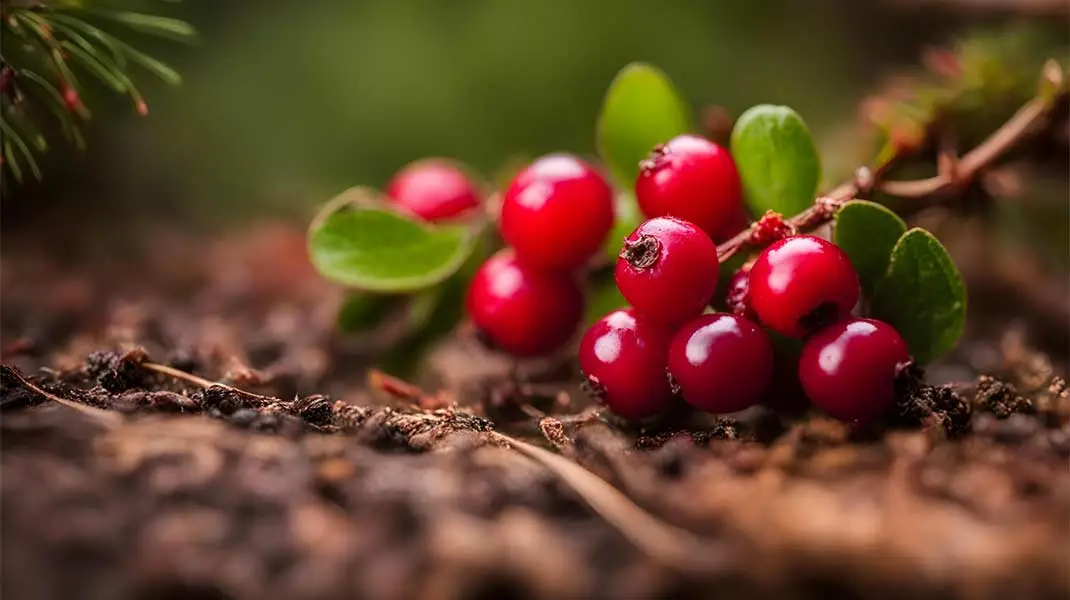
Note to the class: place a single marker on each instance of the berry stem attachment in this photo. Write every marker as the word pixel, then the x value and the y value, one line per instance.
pixel 641 253
pixel 1017 128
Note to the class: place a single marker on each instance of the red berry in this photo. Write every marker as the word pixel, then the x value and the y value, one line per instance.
pixel 848 369
pixel 801 283
pixel 691 178
pixel 523 311
pixel 737 298
pixel 667 270
pixel 557 212
pixel 623 359
pixel 434 190
pixel 723 363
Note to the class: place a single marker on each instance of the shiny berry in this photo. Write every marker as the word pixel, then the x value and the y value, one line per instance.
pixel 522 311
pixel 434 190
pixel 557 213
pixel 722 363
pixel 802 283
pixel 848 369
pixel 737 298
pixel 623 359
pixel 691 178
pixel 667 270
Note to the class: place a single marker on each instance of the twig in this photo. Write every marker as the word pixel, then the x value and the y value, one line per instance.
pixel 108 419
pixel 969 166
pixel 669 545
pixel 173 372
pixel 674 547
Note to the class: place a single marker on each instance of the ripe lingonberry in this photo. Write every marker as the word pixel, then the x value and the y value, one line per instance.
pixel 434 190
pixel 557 213
pixel 721 362
pixel 802 283
pixel 523 311
pixel 737 298
pixel 623 358
pixel 849 368
pixel 691 178
pixel 667 270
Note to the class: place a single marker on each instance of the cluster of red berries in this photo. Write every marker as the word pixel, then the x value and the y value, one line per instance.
pixel 637 360
pixel 555 215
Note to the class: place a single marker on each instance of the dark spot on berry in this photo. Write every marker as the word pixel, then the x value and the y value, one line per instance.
pixel 650 163
pixel 642 253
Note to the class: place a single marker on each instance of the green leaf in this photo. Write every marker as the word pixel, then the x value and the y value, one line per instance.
pixel 922 296
pixel 777 160
pixel 641 109
pixel 867 232
pixel 376 250
pixel 627 218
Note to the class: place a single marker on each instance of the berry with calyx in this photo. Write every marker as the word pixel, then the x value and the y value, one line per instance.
pixel 801 284
pixel 557 212
pixel 667 270
pixel 691 178
pixel 722 363
pixel 434 190
pixel 849 369
pixel 623 359
pixel 523 311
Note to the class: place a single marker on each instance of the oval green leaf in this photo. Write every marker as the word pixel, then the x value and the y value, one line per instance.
pixel 641 109
pixel 868 232
pixel 777 159
pixel 376 250
pixel 922 296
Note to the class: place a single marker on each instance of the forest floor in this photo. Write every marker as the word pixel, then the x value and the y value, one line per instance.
pixel 298 479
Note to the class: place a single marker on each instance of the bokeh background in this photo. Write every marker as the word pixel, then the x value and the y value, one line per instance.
pixel 285 103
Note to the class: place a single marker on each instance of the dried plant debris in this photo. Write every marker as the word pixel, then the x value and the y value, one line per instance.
pixel 133 467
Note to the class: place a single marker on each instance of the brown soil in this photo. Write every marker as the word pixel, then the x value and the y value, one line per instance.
pixel 312 484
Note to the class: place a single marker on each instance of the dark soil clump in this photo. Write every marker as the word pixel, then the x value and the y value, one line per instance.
pixel 291 477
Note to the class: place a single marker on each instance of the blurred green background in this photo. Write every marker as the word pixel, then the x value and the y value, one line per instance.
pixel 287 102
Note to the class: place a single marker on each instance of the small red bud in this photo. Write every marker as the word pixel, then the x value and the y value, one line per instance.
pixel 142 108
pixel 71 99
pixel 770 228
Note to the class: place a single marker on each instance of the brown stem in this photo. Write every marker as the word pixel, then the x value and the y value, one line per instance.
pixel 969 166
pixel 108 419
pixel 671 546
pixel 173 372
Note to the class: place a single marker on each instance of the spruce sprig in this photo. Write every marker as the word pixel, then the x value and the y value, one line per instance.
pixel 46 46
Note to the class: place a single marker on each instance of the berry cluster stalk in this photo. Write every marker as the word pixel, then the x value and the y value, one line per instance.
pixel 953 173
